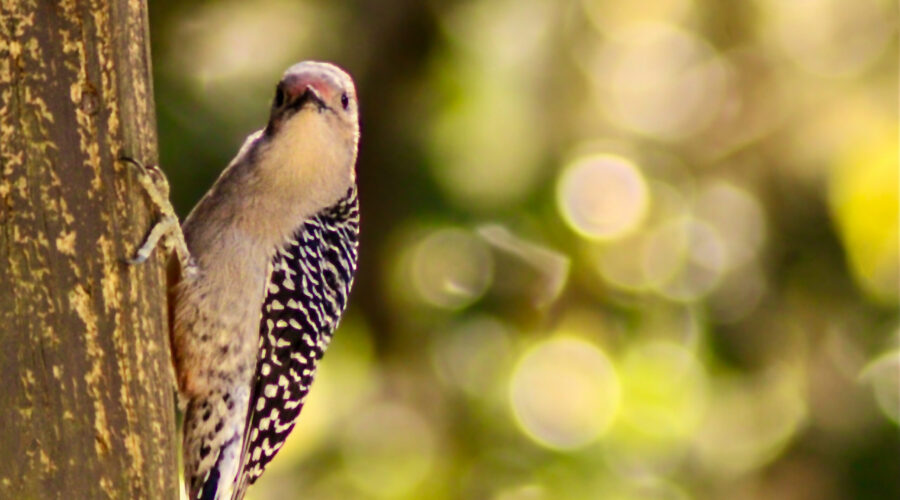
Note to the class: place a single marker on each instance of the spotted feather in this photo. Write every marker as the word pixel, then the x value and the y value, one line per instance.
pixel 306 294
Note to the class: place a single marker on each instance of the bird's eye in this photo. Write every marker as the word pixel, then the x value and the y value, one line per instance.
pixel 345 101
pixel 279 97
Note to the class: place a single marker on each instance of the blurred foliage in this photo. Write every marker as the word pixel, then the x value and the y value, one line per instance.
pixel 619 250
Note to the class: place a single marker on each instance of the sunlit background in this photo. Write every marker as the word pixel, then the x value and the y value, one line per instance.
pixel 633 250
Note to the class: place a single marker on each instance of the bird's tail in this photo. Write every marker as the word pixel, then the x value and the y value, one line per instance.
pixel 213 436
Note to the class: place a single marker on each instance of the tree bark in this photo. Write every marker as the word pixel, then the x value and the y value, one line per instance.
pixel 86 405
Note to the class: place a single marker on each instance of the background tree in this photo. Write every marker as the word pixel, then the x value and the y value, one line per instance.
pixel 86 403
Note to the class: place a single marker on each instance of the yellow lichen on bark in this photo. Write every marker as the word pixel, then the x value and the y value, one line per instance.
pixel 89 410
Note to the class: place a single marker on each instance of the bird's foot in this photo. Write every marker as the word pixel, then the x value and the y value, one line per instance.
pixel 167 229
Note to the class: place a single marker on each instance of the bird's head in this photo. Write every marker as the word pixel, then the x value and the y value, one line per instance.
pixel 312 135
pixel 313 88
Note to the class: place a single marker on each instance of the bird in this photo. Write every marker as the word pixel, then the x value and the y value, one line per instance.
pixel 265 264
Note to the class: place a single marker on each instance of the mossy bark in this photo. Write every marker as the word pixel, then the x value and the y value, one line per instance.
pixel 86 404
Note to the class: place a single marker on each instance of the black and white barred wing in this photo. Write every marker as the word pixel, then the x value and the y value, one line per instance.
pixel 306 295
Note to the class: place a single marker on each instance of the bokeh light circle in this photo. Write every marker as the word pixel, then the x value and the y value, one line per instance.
pixel 564 393
pixel 863 195
pixel 619 263
pixel 232 42
pixel 685 259
pixel 608 17
pixel 751 420
pixel 660 80
pixel 474 355
pixel 525 492
pixel 664 389
pixel 738 219
pixel 451 268
pixel 602 196
pixel 738 293
pixel 883 373
pixel 833 38
pixel 485 142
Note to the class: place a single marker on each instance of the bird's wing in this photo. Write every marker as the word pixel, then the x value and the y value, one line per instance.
pixel 306 295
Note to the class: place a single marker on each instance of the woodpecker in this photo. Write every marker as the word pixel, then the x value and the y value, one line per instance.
pixel 266 259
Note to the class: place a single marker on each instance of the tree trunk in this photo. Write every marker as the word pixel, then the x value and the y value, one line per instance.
pixel 86 406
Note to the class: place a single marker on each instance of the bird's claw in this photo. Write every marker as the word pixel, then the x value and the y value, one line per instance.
pixel 167 229
pixel 151 175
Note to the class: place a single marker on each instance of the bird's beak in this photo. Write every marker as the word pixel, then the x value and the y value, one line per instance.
pixel 310 95
pixel 298 94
